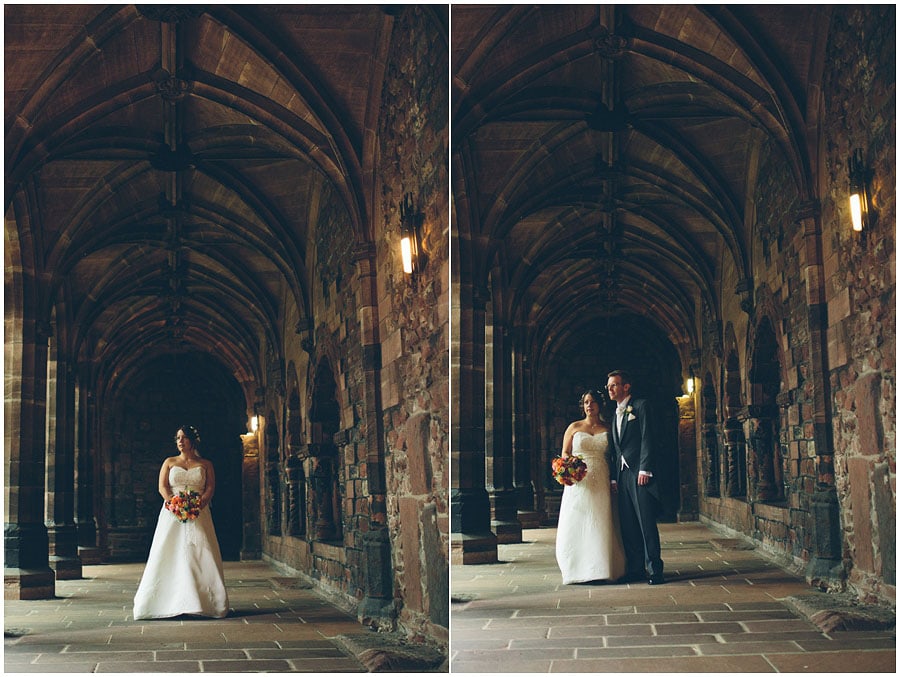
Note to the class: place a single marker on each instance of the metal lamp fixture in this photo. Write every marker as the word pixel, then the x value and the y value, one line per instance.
pixel 859 193
pixel 409 235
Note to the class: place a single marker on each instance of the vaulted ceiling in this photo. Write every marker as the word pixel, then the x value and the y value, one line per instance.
pixel 604 155
pixel 164 164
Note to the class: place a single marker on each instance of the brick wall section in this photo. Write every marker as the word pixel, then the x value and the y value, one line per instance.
pixel 859 92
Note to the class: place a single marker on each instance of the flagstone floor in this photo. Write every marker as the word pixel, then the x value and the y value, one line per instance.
pixel 725 608
pixel 276 625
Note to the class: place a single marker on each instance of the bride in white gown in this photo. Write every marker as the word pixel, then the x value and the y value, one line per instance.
pixel 588 540
pixel 184 569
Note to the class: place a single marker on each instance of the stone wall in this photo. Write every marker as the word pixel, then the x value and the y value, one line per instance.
pixel 414 315
pixel 846 330
pixel 390 374
pixel 859 91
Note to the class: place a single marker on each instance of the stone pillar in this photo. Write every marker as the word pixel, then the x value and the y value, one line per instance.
pixel 504 518
pixel 735 459
pixel 296 483
pixel 762 443
pixel 62 534
pixel 251 542
pixel 26 550
pixel 826 560
pixel 689 507
pixel 525 465
pixel 471 538
pixel 377 605
pixel 710 434
pixel 85 517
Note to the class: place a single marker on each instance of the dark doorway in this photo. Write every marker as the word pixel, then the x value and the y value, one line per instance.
pixel 167 392
pixel 637 345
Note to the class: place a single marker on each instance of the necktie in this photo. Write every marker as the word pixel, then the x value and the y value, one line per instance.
pixel 620 418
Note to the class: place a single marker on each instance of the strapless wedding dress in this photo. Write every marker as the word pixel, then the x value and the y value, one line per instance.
pixel 588 540
pixel 184 569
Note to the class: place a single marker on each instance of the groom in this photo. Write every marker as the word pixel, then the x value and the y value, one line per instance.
pixel 633 456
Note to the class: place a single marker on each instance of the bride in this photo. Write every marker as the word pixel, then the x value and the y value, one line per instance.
pixel 184 570
pixel 588 541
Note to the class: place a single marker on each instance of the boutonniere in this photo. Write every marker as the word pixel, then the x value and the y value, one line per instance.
pixel 629 412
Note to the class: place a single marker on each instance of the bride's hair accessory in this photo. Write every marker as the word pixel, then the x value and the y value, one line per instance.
pixel 191 433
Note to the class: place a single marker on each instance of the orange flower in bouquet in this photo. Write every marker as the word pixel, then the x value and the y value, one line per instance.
pixel 568 470
pixel 185 505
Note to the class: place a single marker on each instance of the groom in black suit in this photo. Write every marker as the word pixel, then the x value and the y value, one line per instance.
pixel 633 458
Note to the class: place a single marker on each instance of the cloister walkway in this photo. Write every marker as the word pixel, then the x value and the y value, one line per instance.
pixel 725 608
pixel 277 624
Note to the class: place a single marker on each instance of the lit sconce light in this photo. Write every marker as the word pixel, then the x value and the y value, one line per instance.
pixel 254 423
pixel 859 193
pixel 410 221
pixel 690 385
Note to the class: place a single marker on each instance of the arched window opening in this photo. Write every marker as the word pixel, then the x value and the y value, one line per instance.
pixel 324 501
pixel 710 435
pixel 766 473
pixel 735 443
pixel 273 476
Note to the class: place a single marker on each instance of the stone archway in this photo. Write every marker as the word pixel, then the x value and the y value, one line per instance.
pixel 324 501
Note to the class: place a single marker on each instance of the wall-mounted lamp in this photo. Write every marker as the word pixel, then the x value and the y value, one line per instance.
pixel 859 192
pixel 690 385
pixel 254 423
pixel 410 221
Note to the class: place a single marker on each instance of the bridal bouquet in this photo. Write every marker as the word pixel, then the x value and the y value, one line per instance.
pixel 185 505
pixel 569 470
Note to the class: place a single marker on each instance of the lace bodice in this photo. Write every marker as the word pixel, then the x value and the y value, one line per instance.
pixel 193 479
pixel 590 446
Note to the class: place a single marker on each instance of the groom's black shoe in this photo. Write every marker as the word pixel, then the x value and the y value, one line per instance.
pixel 656 579
pixel 633 577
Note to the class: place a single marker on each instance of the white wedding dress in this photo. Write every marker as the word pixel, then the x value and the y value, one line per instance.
pixel 588 541
pixel 184 569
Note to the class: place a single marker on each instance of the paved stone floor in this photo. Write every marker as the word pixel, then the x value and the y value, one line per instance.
pixel 725 608
pixel 277 624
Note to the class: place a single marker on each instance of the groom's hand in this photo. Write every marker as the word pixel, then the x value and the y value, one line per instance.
pixel 643 480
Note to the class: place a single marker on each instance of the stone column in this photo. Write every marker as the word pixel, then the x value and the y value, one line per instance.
pixel 504 518
pixel 378 570
pixel 762 443
pixel 471 538
pixel 735 459
pixel 689 507
pixel 826 560
pixel 26 550
pixel 251 541
pixel 62 535
pixel 523 452
pixel 85 517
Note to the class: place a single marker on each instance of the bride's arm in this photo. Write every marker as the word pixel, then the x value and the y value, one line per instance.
pixel 163 483
pixel 210 485
pixel 567 442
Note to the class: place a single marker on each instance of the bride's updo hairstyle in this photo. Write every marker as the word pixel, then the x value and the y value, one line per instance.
pixel 600 398
pixel 192 434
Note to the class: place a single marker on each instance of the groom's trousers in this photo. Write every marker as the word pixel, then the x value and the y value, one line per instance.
pixel 637 516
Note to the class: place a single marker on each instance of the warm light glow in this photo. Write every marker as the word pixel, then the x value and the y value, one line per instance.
pixel 856 211
pixel 406 254
pixel 254 423
pixel 690 385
